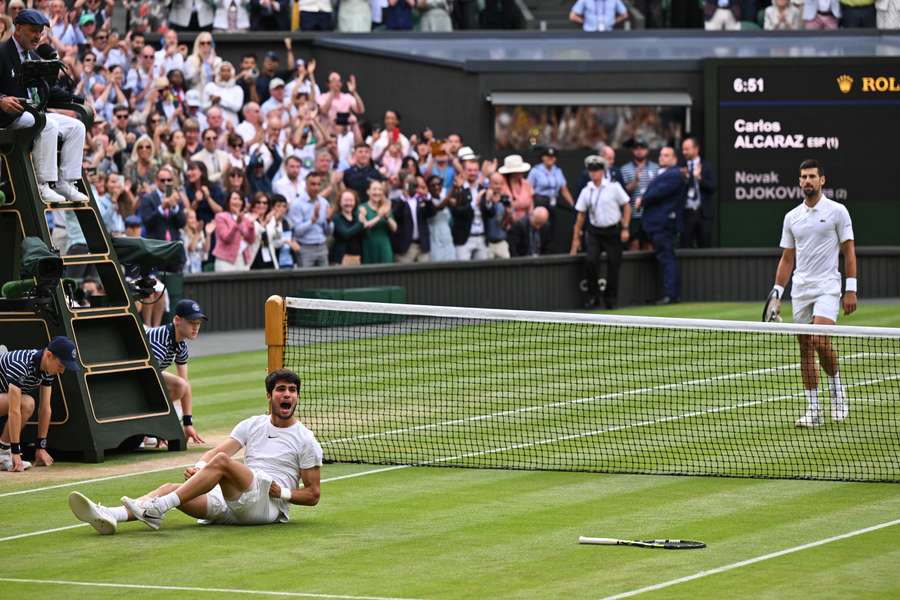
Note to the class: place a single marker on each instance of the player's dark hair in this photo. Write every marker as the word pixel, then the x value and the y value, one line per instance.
pixel 281 376
pixel 811 163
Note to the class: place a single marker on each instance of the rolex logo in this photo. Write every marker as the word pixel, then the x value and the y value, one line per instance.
pixel 845 83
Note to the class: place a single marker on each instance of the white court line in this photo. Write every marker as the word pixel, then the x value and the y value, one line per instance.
pixel 181 588
pixel 55 529
pixel 565 403
pixel 95 480
pixel 750 561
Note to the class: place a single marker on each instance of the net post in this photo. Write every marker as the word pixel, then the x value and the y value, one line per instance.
pixel 275 327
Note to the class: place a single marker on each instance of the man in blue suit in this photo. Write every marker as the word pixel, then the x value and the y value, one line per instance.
pixel 662 202
pixel 411 242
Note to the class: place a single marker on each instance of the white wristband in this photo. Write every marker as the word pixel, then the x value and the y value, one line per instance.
pixel 199 464
pixel 779 289
pixel 850 285
pixel 286 494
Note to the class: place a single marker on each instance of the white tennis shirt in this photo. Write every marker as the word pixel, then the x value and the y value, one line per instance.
pixel 279 452
pixel 817 234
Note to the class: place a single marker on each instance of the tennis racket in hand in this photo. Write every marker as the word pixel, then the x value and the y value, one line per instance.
pixel 772 310
pixel 666 544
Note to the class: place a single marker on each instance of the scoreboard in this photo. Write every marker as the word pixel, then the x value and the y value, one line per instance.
pixel 766 116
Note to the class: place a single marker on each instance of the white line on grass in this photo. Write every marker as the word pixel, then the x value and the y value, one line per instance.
pixel 181 588
pixel 95 480
pixel 55 529
pixel 750 561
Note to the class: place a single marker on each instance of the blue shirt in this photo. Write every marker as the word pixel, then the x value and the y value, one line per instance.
pixel 305 231
pixel 598 15
pixel 22 368
pixel 165 348
pixel 546 182
pixel 109 210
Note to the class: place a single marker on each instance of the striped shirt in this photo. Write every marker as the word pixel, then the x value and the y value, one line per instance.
pixel 651 169
pixel 22 368
pixel 164 347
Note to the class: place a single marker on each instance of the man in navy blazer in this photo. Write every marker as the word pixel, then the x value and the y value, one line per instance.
pixel 162 214
pixel 699 206
pixel 662 203
pixel 13 98
pixel 411 242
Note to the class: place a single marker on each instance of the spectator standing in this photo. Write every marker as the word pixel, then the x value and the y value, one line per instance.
pixel 468 222
pixel 354 16
pixel 270 71
pixel 291 186
pixel 283 240
pixel 379 224
pixel 141 168
pixel 271 15
pixel 275 102
pixel 887 14
pixel 821 14
pixel 236 151
pixel 234 234
pixel 316 15
pixel 530 236
pixel 250 127
pixel 362 172
pixel 411 241
pixel 139 81
pixel 858 14
pixel 722 15
pixel 216 161
pixel 435 15
pixel 662 209
pixel 518 189
pixel 191 15
pixel 265 229
pixel 231 16
pixel 348 231
pixel 439 225
pixel 236 180
pixel 637 175
pixel 398 15
pixel 390 135
pixel 202 65
pixel 598 15
pixel 548 181
pixel 312 224
pixel 497 214
pixel 162 208
pixel 699 207
pixel 224 93
pixel 168 58
pixel 335 101
pixel 605 210
pixel 782 15
pixel 196 243
pixel 116 205
pixel 204 196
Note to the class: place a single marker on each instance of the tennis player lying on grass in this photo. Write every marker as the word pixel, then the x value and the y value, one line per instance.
pixel 219 489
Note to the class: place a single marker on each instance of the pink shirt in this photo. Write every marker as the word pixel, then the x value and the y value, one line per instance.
pixel 343 103
pixel 521 197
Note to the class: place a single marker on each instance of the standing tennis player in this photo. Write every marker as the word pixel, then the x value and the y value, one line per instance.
pixel 812 236
pixel 278 451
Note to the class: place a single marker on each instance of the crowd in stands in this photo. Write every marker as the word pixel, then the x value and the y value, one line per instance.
pixel 732 15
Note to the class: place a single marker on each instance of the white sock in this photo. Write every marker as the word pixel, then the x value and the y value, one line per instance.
pixel 119 513
pixel 168 502
pixel 834 383
pixel 812 400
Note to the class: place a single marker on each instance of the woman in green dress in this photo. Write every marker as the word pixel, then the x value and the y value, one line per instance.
pixel 379 224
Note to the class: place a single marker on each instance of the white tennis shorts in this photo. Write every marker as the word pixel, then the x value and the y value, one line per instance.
pixel 827 305
pixel 253 507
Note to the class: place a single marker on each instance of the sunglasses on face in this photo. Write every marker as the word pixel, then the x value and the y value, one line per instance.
pixel 167 180
pixel 144 148
pixel 204 43
pixel 235 175
pixel 122 116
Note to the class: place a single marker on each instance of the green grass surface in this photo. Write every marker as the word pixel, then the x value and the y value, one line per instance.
pixel 463 533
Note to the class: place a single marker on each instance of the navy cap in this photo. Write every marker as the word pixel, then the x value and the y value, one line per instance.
pixel 272 55
pixel 29 16
pixel 64 349
pixel 132 221
pixel 548 151
pixel 189 309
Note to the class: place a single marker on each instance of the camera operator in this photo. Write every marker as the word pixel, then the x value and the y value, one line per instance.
pixel 29 29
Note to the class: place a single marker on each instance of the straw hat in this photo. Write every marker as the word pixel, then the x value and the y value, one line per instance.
pixel 514 164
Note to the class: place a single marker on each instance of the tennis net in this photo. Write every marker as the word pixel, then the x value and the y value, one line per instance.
pixel 444 386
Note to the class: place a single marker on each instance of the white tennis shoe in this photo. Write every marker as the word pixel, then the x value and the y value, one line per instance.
pixel 812 418
pixel 6 462
pixel 840 406
pixel 95 515
pixel 146 511
pixel 68 191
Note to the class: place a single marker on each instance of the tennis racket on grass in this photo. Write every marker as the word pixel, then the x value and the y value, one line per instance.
pixel 772 310
pixel 666 544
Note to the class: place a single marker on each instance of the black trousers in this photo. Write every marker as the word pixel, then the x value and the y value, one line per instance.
pixel 697 229
pixel 599 240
